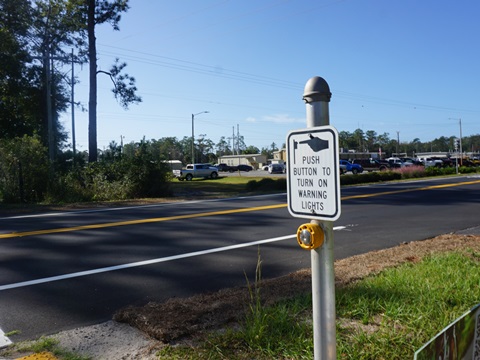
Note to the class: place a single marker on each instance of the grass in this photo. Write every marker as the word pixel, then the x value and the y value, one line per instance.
pixel 42 346
pixel 387 316
pixel 222 187
pixel 227 186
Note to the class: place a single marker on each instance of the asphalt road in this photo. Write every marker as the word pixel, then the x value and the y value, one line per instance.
pixel 69 269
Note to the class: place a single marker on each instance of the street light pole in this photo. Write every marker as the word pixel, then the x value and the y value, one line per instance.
pixel 461 150
pixel 193 133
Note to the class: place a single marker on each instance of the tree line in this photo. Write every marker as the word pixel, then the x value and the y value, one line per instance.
pixel 370 141
pixel 39 39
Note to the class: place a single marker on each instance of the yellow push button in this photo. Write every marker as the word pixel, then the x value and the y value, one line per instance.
pixel 310 236
pixel 40 356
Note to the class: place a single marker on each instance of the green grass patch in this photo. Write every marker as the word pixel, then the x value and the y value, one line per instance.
pixel 227 186
pixel 387 316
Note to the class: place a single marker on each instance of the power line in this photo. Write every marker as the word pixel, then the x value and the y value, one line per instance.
pixel 185 65
pixel 190 66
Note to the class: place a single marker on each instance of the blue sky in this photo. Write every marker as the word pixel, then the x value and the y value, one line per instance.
pixel 405 66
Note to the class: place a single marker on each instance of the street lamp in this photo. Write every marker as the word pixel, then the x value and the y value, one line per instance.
pixel 193 133
pixel 461 150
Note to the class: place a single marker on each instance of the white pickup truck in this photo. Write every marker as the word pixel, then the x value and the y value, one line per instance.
pixel 195 171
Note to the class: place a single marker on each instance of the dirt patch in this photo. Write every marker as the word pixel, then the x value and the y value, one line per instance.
pixel 178 319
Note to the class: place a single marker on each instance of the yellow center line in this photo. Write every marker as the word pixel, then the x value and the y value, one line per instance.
pixel 136 222
pixel 212 213
pixel 432 187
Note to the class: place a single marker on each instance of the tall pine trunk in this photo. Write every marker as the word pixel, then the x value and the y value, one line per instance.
pixel 92 100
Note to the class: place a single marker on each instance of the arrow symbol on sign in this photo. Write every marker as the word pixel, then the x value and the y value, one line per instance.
pixel 295 147
pixel 315 143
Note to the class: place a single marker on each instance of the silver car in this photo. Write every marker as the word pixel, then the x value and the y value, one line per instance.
pixel 276 169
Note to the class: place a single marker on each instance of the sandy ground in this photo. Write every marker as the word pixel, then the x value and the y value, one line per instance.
pixel 138 332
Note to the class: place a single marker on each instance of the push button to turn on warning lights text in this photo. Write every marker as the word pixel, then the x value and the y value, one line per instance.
pixel 313 183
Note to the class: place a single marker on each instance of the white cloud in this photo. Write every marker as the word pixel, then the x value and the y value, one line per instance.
pixel 282 119
pixel 251 119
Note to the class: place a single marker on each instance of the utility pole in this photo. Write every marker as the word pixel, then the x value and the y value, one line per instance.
pixel 48 65
pixel 73 109
pixel 460 142
pixel 398 140
pixel 238 143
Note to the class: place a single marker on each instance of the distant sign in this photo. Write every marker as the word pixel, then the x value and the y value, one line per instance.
pixel 313 174
pixel 459 340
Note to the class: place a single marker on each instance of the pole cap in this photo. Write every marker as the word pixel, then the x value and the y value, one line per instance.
pixel 316 89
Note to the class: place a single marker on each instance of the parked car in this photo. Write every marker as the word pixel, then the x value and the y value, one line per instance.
pixel 346 166
pixel 372 164
pixel 411 160
pixel 396 162
pixel 225 167
pixel 432 162
pixel 244 168
pixel 196 170
pixel 276 169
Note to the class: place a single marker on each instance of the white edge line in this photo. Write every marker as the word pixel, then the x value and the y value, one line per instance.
pixel 4 341
pixel 140 263
pixel 146 262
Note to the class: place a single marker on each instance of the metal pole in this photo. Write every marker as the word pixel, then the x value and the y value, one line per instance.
pixel 461 150
pixel 193 140
pixel 456 164
pixel 460 140
pixel 317 96
pixel 193 134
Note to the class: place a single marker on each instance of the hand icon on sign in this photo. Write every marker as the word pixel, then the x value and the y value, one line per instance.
pixel 315 143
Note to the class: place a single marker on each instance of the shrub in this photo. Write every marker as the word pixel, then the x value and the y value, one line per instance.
pixel 351 179
pixel 267 184
pixel 69 188
pixel 409 172
pixel 436 171
pixel 467 169
pixel 24 170
pixel 121 179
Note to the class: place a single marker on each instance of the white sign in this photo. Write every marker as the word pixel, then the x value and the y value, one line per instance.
pixel 313 175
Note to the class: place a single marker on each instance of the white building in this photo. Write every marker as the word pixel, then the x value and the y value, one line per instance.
pixel 254 160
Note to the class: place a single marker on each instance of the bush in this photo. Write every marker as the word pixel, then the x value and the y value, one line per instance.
pixel 467 169
pixel 128 177
pixel 69 188
pixel 24 170
pixel 436 171
pixel 409 172
pixel 369 177
pixel 267 184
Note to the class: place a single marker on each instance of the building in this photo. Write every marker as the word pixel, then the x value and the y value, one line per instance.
pixel 280 156
pixel 254 160
pixel 174 164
